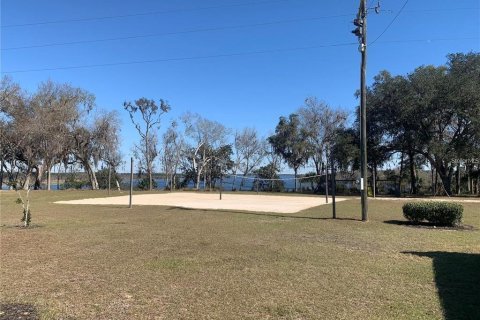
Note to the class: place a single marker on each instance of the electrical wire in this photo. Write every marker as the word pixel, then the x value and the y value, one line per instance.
pixel 221 28
pixel 181 58
pixel 237 54
pixel 428 40
pixel 391 22
pixel 141 14
pixel 261 24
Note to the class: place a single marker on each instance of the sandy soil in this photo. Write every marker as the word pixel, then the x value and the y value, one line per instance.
pixel 258 203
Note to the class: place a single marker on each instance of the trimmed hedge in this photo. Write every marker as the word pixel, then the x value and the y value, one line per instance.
pixel 435 212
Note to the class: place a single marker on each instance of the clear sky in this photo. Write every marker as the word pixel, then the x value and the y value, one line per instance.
pixel 239 62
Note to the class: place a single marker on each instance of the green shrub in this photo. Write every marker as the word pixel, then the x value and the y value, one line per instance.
pixel 435 212
pixel 144 183
pixel 102 178
pixel 74 181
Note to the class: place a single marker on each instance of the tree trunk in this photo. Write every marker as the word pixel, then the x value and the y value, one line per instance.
pixel 446 178
pixel 49 178
pixel 326 182
pixel 91 175
pixel 205 180
pixel 295 178
pixel 197 183
pixel 26 183
pixel 469 180
pixel 38 177
pixel 399 188
pixel 150 180
pixel 242 183
pixel 457 180
pixel 234 180
pixel 147 159
pixel 432 170
pixel 478 184
pixel 374 180
pixel 413 176
pixel 1 172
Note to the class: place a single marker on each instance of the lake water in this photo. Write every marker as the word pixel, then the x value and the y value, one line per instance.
pixel 229 183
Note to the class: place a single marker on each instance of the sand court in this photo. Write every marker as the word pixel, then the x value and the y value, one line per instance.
pixel 197 200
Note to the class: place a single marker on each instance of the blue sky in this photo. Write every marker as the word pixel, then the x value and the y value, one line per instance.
pixel 260 62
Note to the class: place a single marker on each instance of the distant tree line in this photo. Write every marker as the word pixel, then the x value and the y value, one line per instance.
pixel 429 118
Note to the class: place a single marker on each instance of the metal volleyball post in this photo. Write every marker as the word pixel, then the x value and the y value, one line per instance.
pixel 131 182
pixel 334 186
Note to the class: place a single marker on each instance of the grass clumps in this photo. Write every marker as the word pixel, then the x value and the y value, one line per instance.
pixel 435 212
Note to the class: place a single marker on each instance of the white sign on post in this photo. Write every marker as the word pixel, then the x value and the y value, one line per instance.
pixel 361 183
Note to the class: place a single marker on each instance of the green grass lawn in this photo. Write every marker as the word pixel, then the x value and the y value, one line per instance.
pixel 111 262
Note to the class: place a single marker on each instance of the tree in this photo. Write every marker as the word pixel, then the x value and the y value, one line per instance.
pixel 320 122
pixel 289 141
pixel 102 178
pixel 268 178
pixel 220 162
pixel 205 135
pixel 249 153
pixel 57 110
pixel 150 114
pixel 106 131
pixel 173 148
pixel 16 135
pixel 345 151
pixel 433 112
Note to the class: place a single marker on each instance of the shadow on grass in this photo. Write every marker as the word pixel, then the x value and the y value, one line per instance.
pixel 428 225
pixel 18 311
pixel 293 217
pixel 262 214
pixel 457 277
pixel 22 227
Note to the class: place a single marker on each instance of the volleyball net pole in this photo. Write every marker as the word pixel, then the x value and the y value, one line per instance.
pixel 334 187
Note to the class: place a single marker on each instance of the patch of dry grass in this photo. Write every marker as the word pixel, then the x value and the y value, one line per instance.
pixel 111 262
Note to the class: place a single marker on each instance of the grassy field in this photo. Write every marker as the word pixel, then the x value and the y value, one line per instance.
pixel 111 262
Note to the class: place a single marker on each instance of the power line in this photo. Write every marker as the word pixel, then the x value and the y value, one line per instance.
pixel 428 40
pixel 391 22
pixel 235 54
pixel 445 9
pixel 183 58
pixel 175 32
pixel 141 14
pixel 221 28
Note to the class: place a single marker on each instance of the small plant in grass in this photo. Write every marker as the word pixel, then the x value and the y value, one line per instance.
pixel 27 215
pixel 435 212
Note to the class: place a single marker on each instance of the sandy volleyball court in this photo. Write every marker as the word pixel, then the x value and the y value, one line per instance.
pixel 258 203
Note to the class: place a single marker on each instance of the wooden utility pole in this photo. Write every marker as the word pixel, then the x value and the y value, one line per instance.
pixel 361 32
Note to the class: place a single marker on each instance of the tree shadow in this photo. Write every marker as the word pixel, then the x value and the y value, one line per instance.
pixel 18 311
pixel 457 277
